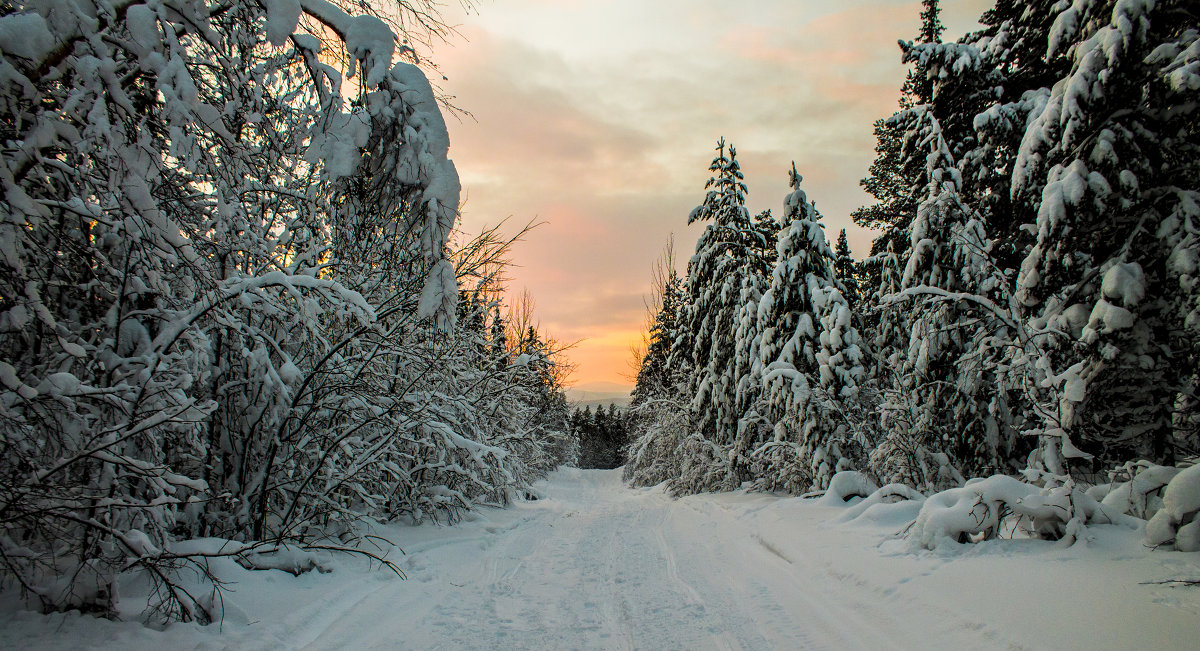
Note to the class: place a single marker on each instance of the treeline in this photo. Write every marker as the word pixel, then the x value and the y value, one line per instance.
pixel 232 304
pixel 603 435
pixel 1030 306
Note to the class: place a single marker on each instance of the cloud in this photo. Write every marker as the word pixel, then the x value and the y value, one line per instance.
pixel 599 118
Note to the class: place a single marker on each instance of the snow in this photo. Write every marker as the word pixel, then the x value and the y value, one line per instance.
pixel 60 384
pixel 290 373
pixel 897 502
pixel 1136 497
pixel 1178 521
pixel 1182 496
pixel 143 26
pixel 282 16
pixel 847 485
pixel 595 565
pixel 370 42
pixel 1106 318
pixel 339 144
pixel 440 292
pixel 1125 282
pixel 137 542
pixel 976 508
pixel 8 377
pixel 25 35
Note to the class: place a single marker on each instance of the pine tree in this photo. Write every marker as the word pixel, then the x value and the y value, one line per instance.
pixel 846 270
pixel 895 179
pixel 808 360
pixel 721 281
pixel 1109 166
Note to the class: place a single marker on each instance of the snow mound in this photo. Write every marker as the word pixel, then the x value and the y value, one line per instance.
pixel 847 485
pixel 893 502
pixel 1139 496
pixel 1178 522
pixel 976 511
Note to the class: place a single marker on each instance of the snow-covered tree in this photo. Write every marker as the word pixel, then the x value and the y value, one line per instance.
pixel 725 279
pixel 227 301
pixel 808 359
pixel 895 180
pixel 656 378
pixel 950 360
pixel 1078 189
pixel 659 410
pixel 846 270
pixel 1108 163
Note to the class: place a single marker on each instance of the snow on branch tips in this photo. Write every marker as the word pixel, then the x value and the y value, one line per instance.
pixel 229 309
pixel 368 40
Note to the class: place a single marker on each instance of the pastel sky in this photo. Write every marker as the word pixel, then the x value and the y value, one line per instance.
pixel 599 118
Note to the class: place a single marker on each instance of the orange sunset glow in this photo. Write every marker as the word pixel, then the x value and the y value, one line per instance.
pixel 599 119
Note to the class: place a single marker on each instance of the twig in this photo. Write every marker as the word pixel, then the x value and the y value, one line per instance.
pixel 1172 582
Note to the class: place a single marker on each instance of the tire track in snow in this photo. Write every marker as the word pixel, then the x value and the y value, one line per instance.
pixel 596 565
pixel 694 597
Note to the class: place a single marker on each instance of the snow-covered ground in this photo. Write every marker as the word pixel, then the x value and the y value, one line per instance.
pixel 594 564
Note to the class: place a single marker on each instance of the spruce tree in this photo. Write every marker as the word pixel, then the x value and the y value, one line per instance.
pixel 655 377
pixel 958 404
pixel 725 280
pixel 808 359
pixel 1074 132
pixel 718 274
pixel 846 270
pixel 1109 166
pixel 894 179
pixel 660 409
pixel 498 341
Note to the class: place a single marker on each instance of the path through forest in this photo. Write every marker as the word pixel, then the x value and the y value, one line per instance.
pixel 597 565
pixel 594 564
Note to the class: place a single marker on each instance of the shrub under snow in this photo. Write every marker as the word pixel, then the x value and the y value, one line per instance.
pixel 978 510
pixel 1178 522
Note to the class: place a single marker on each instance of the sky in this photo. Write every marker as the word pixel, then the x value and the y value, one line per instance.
pixel 599 118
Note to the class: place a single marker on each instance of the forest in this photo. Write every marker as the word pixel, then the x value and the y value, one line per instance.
pixel 233 303
pixel 1030 307
pixel 240 320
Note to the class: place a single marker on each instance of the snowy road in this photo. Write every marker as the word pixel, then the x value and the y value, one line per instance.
pixel 596 565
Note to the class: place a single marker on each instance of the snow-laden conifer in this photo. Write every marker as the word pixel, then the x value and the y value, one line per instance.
pixel 808 358
pixel 725 280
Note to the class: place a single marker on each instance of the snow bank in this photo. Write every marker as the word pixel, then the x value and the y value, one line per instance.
pixel 1177 522
pixel 971 512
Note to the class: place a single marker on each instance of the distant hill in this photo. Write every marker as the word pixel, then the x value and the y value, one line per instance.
pixel 592 394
